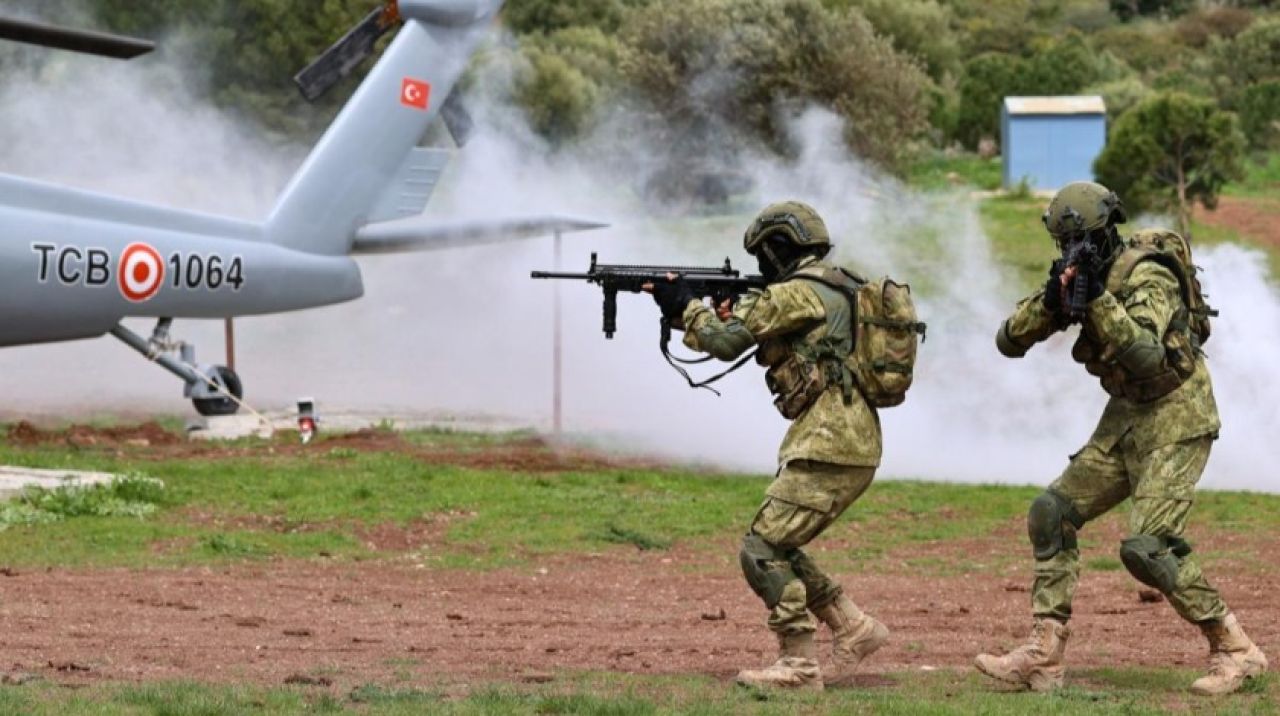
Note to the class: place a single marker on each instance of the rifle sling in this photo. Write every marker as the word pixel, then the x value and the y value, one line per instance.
pixel 674 361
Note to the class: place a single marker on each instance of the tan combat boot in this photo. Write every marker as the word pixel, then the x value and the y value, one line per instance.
pixel 854 635
pixel 1037 664
pixel 796 667
pixel 1233 657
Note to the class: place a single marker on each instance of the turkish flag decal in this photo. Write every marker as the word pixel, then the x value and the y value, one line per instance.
pixel 415 93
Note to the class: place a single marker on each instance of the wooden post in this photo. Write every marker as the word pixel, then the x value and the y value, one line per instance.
pixel 230 334
pixel 557 356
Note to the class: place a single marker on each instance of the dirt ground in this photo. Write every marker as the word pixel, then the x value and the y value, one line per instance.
pixel 152 441
pixel 341 624
pixel 640 612
pixel 1254 218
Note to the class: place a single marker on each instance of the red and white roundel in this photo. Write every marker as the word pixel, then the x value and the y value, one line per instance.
pixel 141 272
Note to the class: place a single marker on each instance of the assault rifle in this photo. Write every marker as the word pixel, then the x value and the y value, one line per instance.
pixel 719 283
pixel 1084 257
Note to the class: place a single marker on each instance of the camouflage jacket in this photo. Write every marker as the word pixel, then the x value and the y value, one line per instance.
pixel 829 430
pixel 1151 299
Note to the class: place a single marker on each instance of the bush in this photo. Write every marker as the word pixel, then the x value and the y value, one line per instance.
pixel 1129 9
pixel 710 67
pixel 1146 48
pixel 1170 152
pixel 1120 95
pixel 129 496
pixel 1260 115
pixel 1198 28
pixel 920 28
pixel 1252 56
pixel 546 16
pixel 997 25
pixel 564 79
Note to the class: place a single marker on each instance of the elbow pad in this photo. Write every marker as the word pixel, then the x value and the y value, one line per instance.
pixel 1007 345
pixel 1143 357
pixel 727 341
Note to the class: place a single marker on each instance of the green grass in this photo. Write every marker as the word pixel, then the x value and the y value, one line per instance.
pixel 1262 178
pixel 322 502
pixel 1135 692
pixel 939 170
pixel 1018 238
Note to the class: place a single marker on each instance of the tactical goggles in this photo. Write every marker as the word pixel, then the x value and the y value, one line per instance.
pixel 785 223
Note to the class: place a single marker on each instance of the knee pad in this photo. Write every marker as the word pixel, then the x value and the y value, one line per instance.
pixel 1154 561
pixel 1044 524
pixel 766 567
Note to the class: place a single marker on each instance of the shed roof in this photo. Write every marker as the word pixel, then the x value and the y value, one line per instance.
pixel 1085 104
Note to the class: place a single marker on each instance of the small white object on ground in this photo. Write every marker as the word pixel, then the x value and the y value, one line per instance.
pixel 13 479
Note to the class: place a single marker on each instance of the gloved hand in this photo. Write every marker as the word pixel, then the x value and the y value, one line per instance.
pixel 1053 288
pixel 672 297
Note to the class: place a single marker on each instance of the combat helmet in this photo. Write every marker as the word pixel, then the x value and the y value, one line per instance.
pixel 794 220
pixel 1081 207
pixel 784 232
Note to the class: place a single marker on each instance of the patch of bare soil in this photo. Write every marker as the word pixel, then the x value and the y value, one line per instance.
pixel 148 434
pixel 1254 218
pixel 150 441
pixel 344 624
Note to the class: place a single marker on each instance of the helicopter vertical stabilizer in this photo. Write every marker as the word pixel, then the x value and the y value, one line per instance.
pixel 345 182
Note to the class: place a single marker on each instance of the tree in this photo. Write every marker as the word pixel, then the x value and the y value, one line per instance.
pixel 1171 152
pixel 987 80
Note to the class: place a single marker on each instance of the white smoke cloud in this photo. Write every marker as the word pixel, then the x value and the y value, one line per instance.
pixel 467 331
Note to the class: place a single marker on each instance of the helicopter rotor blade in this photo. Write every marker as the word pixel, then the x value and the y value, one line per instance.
pixel 85 41
pixel 348 53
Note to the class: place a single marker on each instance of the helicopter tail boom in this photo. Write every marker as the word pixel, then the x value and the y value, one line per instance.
pixel 344 183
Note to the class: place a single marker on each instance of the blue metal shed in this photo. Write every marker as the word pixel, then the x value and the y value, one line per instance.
pixel 1051 141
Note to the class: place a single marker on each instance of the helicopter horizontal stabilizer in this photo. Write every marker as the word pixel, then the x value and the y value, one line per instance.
pixel 416 235
pixel 410 189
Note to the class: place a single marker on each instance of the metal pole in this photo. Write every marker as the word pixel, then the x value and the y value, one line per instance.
pixel 231 343
pixel 557 354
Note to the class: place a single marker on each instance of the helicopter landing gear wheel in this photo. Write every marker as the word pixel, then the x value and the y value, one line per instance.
pixel 221 404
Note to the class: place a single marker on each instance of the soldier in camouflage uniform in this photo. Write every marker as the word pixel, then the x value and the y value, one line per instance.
pixel 804 331
pixel 1141 336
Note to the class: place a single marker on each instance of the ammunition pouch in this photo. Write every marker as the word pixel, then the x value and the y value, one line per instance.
pixel 796 384
pixel 1154 561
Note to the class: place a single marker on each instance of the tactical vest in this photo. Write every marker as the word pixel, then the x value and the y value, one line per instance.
pixel 1185 334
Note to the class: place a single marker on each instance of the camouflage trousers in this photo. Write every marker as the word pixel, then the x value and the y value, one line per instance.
pixel 805 499
pixel 1162 485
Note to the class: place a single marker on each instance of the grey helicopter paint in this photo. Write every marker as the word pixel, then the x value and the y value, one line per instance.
pixel 74 264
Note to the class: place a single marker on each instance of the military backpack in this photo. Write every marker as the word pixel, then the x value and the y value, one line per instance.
pixel 886 333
